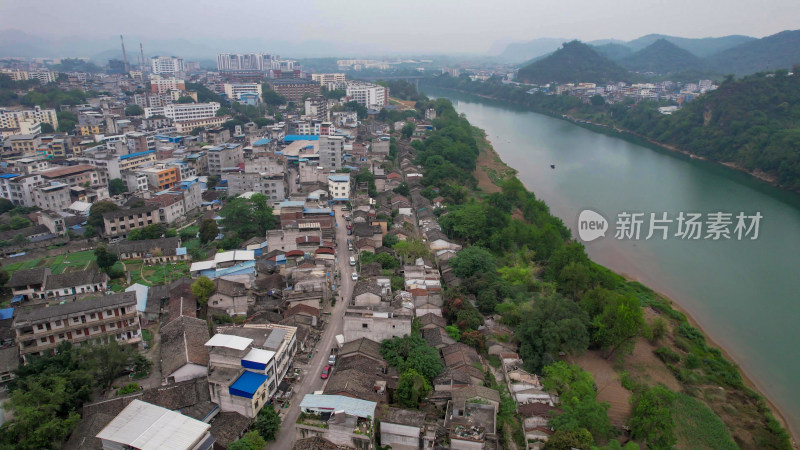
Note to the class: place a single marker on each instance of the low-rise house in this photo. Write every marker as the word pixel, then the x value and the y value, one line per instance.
pixel 431 321
pixel 108 317
pixel 342 420
pixel 74 284
pixel 230 297
pixel 151 251
pixel 376 322
pixel 28 283
pixel 183 352
pixel 357 383
pixel 146 426
pixel 304 314
pixel 121 222
pixel 404 429
pixel 437 337
pixel 367 292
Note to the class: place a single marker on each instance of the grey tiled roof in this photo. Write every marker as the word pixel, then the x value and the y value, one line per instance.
pixel 76 306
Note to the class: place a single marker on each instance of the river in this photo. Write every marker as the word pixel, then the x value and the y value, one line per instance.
pixel 744 293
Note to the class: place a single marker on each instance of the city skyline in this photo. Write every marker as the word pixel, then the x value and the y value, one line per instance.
pixel 385 29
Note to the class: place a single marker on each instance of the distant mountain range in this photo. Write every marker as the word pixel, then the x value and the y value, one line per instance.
pixel 667 55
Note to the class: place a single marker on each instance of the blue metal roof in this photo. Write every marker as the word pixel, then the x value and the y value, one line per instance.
pixel 9 175
pixel 6 313
pixel 340 178
pixel 262 141
pixel 247 384
pixel 300 137
pixel 134 155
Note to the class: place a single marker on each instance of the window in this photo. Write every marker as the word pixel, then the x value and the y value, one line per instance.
pixel 364 325
pixel 92 315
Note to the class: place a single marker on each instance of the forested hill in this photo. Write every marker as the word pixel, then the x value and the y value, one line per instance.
pixel 779 51
pixel 662 57
pixel 573 63
pixel 753 122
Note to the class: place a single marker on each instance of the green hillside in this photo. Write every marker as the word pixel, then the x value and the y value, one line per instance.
pixel 662 57
pixel 613 51
pixel 779 51
pixel 753 122
pixel 572 63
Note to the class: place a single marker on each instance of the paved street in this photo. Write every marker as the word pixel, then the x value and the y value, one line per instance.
pixel 311 373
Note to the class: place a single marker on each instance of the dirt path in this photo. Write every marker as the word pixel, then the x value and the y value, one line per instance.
pixel 490 170
pixel 609 388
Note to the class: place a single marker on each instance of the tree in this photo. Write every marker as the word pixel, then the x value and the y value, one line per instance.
pixel 19 222
pixel 105 258
pixel 196 131
pixel 6 205
pixel 116 186
pixel 390 240
pixel 550 326
pixel 20 240
pixel 412 388
pixel 408 130
pixel 567 440
pixel 211 181
pixel 97 210
pixel 272 98
pixel 248 217
pixel 620 322
pixel 651 419
pixel 578 394
pixel 47 128
pixel 412 352
pixel 185 99
pixel 597 100
pixel 66 121
pixel 208 231
pixel 134 110
pixel 267 423
pixel 250 441
pixel 202 288
pixel 473 260
pixel 402 189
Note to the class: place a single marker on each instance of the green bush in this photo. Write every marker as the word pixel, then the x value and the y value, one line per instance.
pixel 667 355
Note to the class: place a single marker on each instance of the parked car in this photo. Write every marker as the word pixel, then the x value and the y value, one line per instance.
pixel 355 276
pixel 349 232
pixel 332 357
pixel 349 227
pixel 325 372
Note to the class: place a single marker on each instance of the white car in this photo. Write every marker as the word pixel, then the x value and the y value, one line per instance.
pixel 355 276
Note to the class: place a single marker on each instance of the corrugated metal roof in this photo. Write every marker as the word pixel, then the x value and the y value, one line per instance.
pixel 259 355
pixel 149 427
pixel 229 341
pixel 350 406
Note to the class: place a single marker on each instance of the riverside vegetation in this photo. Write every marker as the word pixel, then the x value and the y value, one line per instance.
pixel 749 123
pixel 521 263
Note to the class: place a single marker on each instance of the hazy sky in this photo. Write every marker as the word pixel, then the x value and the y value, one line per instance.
pixel 465 26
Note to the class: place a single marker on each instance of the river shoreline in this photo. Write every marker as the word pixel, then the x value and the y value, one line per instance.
pixel 635 138
pixel 749 380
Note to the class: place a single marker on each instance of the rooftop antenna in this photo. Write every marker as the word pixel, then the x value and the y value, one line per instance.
pixel 141 49
pixel 124 55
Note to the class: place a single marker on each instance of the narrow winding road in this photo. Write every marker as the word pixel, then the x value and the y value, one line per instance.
pixel 311 380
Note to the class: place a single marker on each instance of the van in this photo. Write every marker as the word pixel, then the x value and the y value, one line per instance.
pixel 352 260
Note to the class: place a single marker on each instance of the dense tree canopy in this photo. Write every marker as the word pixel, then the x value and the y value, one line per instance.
pixel 246 218
pixel 412 353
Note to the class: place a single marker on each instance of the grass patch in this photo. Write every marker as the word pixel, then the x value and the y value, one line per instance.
pixel 163 273
pixel 697 427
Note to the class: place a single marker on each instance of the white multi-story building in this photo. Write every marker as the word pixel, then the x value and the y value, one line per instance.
pixel 186 111
pixel 235 90
pixel 368 94
pixel 247 62
pixel 43 76
pixel 325 78
pixel 11 118
pixel 162 85
pixel 166 65
pixel 339 187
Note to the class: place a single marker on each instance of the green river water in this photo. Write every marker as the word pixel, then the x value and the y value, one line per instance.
pixel 744 293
